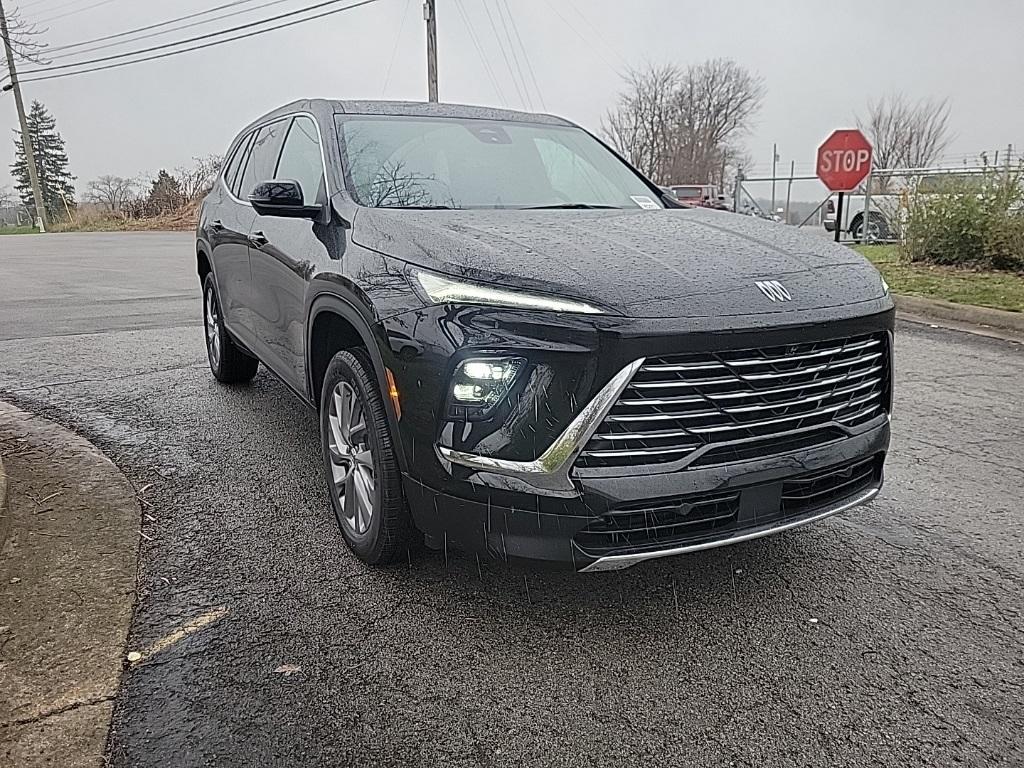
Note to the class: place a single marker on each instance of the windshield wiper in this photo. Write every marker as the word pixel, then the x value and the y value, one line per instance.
pixel 567 205
pixel 419 207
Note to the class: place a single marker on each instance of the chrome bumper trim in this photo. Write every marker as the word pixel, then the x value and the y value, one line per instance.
pixel 549 473
pixel 618 562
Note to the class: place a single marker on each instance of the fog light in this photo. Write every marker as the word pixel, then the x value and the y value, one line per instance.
pixel 479 384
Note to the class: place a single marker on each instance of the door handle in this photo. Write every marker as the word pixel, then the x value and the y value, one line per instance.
pixel 258 239
pixel 217 225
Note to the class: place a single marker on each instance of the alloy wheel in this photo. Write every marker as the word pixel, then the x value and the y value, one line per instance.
pixel 351 457
pixel 212 317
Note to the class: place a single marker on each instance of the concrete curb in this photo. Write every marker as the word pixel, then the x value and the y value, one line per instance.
pixel 963 315
pixel 68 565
pixel 4 520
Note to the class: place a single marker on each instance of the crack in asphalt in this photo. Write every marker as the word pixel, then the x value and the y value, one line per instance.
pixel 61 710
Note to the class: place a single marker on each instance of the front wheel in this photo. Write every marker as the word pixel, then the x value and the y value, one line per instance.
pixel 228 363
pixel 362 473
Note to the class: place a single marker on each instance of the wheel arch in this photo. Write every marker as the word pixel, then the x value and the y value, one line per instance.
pixel 335 324
pixel 204 261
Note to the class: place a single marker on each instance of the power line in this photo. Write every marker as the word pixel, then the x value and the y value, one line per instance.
pixel 163 31
pixel 480 52
pixel 195 39
pixel 22 6
pixel 601 38
pixel 149 26
pixel 513 51
pixel 529 65
pixel 504 55
pixel 72 13
pixel 204 45
pixel 394 51
pixel 590 45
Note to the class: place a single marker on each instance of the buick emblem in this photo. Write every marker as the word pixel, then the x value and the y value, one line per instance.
pixel 774 290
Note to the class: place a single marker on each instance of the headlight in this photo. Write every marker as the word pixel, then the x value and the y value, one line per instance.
pixel 479 384
pixel 443 290
pixel 885 287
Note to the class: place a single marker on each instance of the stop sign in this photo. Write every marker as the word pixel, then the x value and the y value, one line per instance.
pixel 844 160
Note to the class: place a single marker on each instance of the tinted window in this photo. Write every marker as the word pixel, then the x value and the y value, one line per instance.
pixel 301 159
pixel 403 162
pixel 231 169
pixel 688 192
pixel 262 157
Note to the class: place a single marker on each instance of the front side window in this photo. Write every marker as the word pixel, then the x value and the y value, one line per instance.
pixel 263 156
pixel 403 162
pixel 235 163
pixel 301 160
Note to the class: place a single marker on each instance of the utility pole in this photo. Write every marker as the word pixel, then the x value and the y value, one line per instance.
pixel 789 189
pixel 429 15
pixel 775 160
pixel 26 140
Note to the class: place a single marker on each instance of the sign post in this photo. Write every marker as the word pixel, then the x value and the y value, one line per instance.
pixel 844 160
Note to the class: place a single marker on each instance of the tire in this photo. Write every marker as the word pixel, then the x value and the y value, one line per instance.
pixel 878 228
pixel 228 363
pixel 362 473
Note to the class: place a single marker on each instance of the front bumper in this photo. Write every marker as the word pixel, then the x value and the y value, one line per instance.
pixel 566 538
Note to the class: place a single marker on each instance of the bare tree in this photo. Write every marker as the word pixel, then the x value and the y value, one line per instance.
pixel 6 197
pixel 25 41
pixel 684 125
pixel 906 134
pixel 196 180
pixel 112 192
pixel 640 126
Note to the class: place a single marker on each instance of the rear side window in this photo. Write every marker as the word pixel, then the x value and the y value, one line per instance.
pixel 235 163
pixel 301 159
pixel 262 157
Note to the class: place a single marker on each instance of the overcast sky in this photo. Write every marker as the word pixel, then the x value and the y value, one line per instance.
pixel 821 63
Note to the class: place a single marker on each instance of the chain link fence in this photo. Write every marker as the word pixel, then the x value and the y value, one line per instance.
pixel 876 212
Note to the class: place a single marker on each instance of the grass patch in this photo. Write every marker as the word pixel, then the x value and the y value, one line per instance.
pixel 999 290
pixel 16 230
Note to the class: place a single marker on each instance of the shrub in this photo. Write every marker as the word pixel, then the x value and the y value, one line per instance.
pixel 974 220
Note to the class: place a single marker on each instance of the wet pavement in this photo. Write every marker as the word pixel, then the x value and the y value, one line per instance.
pixel 891 635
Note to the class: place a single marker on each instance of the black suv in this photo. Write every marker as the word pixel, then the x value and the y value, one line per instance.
pixel 519 346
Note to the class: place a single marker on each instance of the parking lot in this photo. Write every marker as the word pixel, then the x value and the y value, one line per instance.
pixel 890 635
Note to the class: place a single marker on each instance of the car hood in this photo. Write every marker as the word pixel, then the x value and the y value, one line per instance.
pixel 655 264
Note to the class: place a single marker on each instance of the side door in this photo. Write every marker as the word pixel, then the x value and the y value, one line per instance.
pixel 259 166
pixel 227 228
pixel 284 253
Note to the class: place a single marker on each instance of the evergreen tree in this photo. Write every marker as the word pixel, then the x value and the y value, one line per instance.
pixel 165 194
pixel 51 164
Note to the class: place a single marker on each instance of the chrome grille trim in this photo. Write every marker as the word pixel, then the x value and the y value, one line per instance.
pixel 744 408
pixel 757 398
pixel 759 376
pixel 763 360
pixel 703 398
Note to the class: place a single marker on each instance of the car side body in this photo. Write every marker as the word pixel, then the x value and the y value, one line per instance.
pixel 617 441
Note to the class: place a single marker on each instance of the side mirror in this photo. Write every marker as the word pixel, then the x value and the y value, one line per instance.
pixel 281 197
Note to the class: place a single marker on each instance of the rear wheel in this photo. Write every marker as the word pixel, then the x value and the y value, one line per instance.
pixel 228 363
pixel 362 472
pixel 878 228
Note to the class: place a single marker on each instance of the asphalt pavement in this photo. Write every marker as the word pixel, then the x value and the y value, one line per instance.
pixel 890 635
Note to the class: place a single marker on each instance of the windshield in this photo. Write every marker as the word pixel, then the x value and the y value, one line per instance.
pixel 413 162
pixel 681 192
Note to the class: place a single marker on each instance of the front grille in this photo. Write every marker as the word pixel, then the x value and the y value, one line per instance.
pixel 829 487
pixel 743 403
pixel 682 521
pixel 671 520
